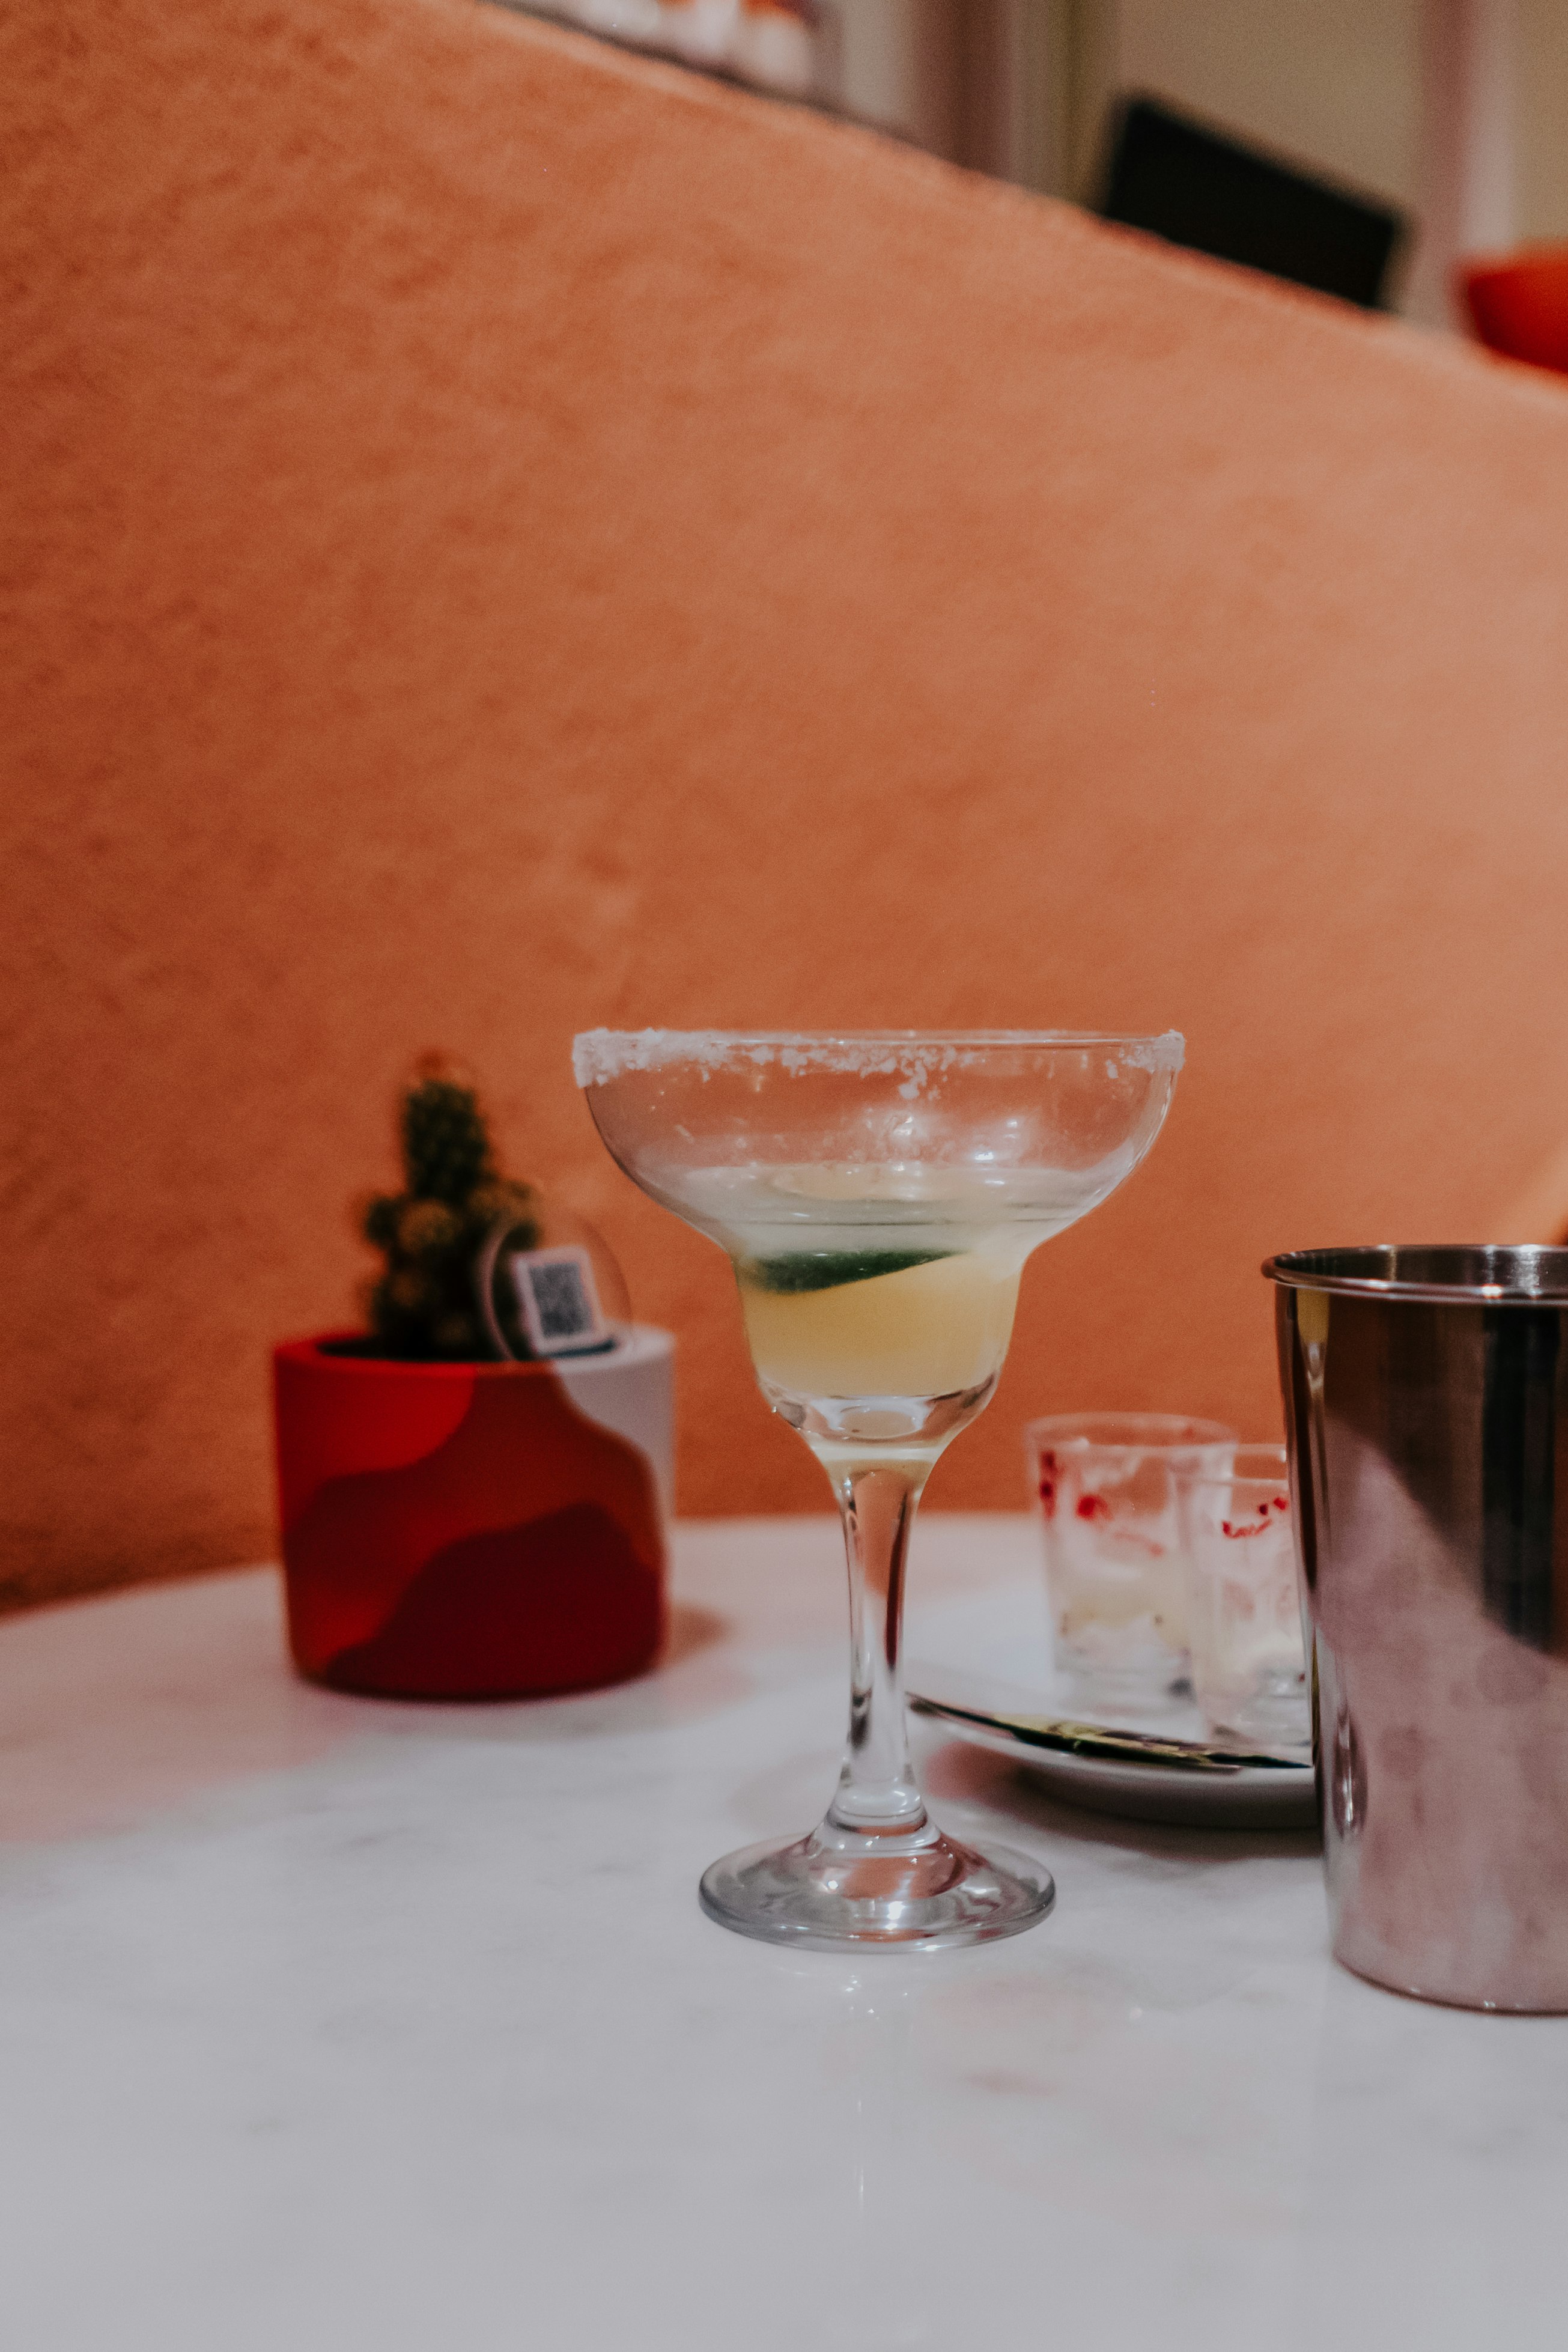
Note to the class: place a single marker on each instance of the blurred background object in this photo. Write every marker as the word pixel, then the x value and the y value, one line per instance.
pixel 1449 115
pixel 1197 187
pixel 1520 305
pixel 778 45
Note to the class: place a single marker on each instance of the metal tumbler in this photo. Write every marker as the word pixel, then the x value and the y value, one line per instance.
pixel 1426 1410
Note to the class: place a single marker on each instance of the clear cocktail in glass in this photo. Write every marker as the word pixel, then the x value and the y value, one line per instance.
pixel 878 1194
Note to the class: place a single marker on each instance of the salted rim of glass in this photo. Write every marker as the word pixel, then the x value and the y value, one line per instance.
pixel 601 1056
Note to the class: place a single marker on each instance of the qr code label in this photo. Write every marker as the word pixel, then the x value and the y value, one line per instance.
pixel 559 1304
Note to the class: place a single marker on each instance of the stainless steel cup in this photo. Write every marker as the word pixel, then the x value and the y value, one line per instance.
pixel 1426 1410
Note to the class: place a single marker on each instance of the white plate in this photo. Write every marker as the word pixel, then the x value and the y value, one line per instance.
pixel 1174 1773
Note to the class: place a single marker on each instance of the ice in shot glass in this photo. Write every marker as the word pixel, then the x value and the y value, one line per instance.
pixel 1108 1484
pixel 1244 1623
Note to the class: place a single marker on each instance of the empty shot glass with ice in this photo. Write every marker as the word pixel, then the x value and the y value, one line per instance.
pixel 1108 1488
pixel 1244 1620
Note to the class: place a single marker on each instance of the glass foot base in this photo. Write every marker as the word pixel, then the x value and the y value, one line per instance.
pixel 839 1888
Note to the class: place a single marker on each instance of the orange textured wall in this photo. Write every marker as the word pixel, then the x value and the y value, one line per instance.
pixel 505 538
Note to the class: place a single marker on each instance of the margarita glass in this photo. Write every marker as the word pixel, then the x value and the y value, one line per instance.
pixel 877 1193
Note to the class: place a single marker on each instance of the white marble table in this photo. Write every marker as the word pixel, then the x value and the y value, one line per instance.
pixel 331 2024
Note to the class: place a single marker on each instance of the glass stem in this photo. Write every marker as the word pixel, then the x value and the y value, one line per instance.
pixel 878 1793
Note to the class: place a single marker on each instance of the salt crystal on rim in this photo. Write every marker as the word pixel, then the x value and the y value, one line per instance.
pixel 601 1056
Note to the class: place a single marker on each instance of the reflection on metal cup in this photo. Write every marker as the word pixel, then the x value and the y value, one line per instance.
pixel 1427 1401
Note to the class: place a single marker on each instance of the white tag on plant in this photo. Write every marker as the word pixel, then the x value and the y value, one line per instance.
pixel 558 1301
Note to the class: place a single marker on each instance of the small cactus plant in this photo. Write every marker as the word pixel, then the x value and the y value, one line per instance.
pixel 423 1306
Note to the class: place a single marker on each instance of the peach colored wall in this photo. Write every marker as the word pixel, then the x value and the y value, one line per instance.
pixel 505 538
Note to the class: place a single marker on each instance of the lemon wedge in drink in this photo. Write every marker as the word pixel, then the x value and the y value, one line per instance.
pixel 925 1328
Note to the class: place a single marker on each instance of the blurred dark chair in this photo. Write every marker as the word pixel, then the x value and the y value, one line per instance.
pixel 1197 186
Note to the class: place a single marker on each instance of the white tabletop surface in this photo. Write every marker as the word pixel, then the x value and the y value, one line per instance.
pixel 332 2024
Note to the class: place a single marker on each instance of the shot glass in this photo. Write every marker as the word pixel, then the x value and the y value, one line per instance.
pixel 1109 1488
pixel 1244 1622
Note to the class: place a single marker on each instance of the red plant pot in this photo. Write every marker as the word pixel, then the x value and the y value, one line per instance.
pixel 473 1530
pixel 1521 306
